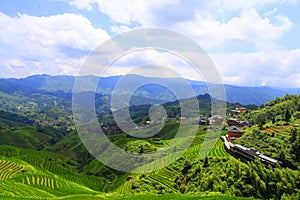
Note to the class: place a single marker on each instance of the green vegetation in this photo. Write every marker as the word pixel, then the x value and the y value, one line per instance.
pixel 280 110
pixel 277 131
pixel 39 160
pixel 218 150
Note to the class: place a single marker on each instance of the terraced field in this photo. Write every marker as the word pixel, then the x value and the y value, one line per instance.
pixel 12 189
pixel 164 176
pixel 218 150
pixel 42 181
pixel 41 186
pixel 201 150
pixel 125 188
pixel 7 169
pixel 24 175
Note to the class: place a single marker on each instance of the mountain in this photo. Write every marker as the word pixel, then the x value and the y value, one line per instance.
pixel 252 95
pixel 63 86
pixel 290 90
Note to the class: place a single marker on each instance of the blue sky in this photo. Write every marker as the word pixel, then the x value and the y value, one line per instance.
pixel 252 43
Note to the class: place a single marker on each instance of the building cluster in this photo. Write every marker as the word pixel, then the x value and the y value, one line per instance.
pixel 248 153
pixel 234 124
pixel 110 128
pixel 55 123
pixel 234 131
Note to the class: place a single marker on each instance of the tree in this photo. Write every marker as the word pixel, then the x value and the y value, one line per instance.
pixel 205 164
pixel 282 156
pixel 296 115
pixel 261 119
pixel 296 148
pixel 287 115
pixel 293 134
pixel 186 167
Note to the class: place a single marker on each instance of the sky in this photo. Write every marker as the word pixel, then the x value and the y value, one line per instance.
pixel 252 43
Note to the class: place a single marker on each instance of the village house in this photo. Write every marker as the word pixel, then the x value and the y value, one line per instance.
pixel 243 123
pixel 235 112
pixel 233 122
pixel 237 122
pixel 234 133
pixel 239 111
pixel 217 119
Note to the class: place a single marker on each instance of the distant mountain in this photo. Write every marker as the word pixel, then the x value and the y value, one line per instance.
pixel 46 82
pixel 290 90
pixel 62 86
pixel 252 95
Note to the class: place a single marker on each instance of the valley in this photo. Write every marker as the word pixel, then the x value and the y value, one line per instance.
pixel 42 156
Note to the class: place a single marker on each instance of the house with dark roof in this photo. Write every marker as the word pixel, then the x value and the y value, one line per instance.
pixel 237 122
pixel 234 133
pixel 233 122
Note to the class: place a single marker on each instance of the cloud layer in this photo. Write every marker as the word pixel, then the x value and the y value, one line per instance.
pixel 211 23
pixel 56 44
pixel 242 37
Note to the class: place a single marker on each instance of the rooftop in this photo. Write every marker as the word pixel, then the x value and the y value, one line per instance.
pixel 234 129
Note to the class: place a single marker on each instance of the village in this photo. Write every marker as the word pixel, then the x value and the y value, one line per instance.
pixel 235 126
pixel 234 131
pixel 232 123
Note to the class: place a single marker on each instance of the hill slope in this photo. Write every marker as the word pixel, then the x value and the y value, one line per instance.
pixel 63 168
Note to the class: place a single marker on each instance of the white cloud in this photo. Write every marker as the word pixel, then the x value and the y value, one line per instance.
pixel 250 27
pixel 54 42
pixel 207 22
pixel 65 30
pixel 124 12
pixel 220 23
pixel 22 68
pixel 82 4
pixel 277 68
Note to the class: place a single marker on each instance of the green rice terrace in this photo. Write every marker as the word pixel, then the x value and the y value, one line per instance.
pixel 27 173
pixel 52 163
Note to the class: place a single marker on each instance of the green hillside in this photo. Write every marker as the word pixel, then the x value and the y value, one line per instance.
pixel 51 162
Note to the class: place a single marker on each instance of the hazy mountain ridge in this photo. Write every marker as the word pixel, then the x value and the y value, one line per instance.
pixel 62 86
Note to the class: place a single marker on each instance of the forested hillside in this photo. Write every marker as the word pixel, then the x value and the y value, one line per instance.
pixel 276 130
pixel 42 160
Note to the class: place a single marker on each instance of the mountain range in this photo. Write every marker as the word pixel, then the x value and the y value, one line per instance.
pixel 62 86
